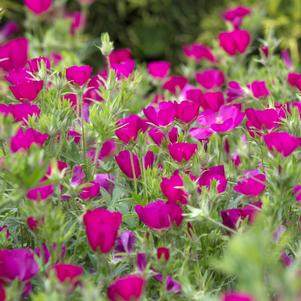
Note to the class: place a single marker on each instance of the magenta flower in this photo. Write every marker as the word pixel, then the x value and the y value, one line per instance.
pixel 212 100
pixel 195 95
pixel 294 79
pixel 181 151
pixel 235 15
pixel 93 89
pixel 129 164
pixel 173 135
pixel 102 228
pixel 226 119
pixel 108 149
pixel 8 29
pixel 90 191
pixel 120 55
pixel 231 217
pixel 36 63
pixel 199 52
pixel 141 262
pixel 13 54
pixel 173 189
pixel 210 78
pixel 68 272
pixel 252 184
pixel 129 127
pixel 78 75
pixel 126 288
pixel 236 296
pixel 157 135
pixel 158 69
pixel 163 115
pixel 164 253
pixel 175 84
pixel 234 91
pixel 297 192
pixel 17 264
pixel 38 7
pixel 259 89
pixel 32 223
pixel 282 142
pixel 263 119
pixel 159 215
pixel 23 85
pixel 105 181
pixel 125 243
pixel 124 69
pixel 216 173
pixel 78 21
pixel 20 112
pixel 286 58
pixel 149 159
pixel 187 110
pixel 234 42
pixel 23 139
pixel 172 285
pixel 40 193
pixel 2 292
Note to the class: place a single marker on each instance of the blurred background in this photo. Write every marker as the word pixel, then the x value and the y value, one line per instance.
pixel 157 29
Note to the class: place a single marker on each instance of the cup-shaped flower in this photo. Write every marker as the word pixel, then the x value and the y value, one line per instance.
pixel 158 69
pixel 252 184
pixel 187 110
pixel 126 288
pixel 173 189
pixel 216 173
pixel 294 79
pixel 102 228
pixel 237 296
pixel 17 264
pixel 125 243
pixel 78 75
pixel 212 100
pixel 234 91
pixel 199 52
pixel 163 115
pixel 129 164
pixel 175 84
pixel 164 253
pixel 23 139
pixel 90 191
pixel 69 273
pixel 210 78
pixel 38 7
pixel 259 89
pixel 13 54
pixel 236 14
pixel 282 142
pixel 40 193
pixel 182 151
pixel 159 215
pixel 234 42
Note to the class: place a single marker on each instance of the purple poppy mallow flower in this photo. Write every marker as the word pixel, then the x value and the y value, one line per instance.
pixel 234 91
pixel 236 296
pixel 286 58
pixel 40 193
pixel 182 152
pixel 199 52
pixel 294 79
pixel 210 78
pixel 234 42
pixel 78 75
pixel 141 262
pixel 216 173
pixel 175 84
pixel 128 163
pixel 172 285
pixel 8 29
pixel 259 89
pixel 252 184
pixel 236 14
pixel 282 142
pixel 158 69
pixel 212 100
pixel 125 243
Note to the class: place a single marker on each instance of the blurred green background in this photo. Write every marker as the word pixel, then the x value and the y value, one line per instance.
pixel 157 29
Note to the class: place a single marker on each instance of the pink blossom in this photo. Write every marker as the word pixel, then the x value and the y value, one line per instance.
pixel 120 55
pixel 124 69
pixel 40 193
pixel 294 79
pixel 235 15
pixel 78 75
pixel 157 135
pixel 173 135
pixel 214 173
pixel 175 84
pixel 90 191
pixel 252 184
pixel 23 139
pixel 159 215
pixel 102 228
pixel 259 89
pixel 173 189
pixel 199 52
pixel 68 272
pixel 187 111
pixel 282 142
pixel 285 56
pixel 126 288
pixel 163 252
pixel 128 163
pixel 13 54
pixel 181 151
pixel 163 115
pixel 8 29
pixel 78 21
pixel 234 42
pixel 234 91
pixel 210 78
pixel 38 7
pixel 158 69
pixel 212 100
pixel 36 63
pixel 236 296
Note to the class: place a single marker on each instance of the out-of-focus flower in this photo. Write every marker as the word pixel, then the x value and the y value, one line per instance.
pixel 187 110
pixel 8 29
pixel 175 84
pixel 158 69
pixel 234 42
pixel 68 272
pixel 38 7
pixel 216 173
pixel 164 253
pixel 259 89
pixel 210 78
pixel 78 75
pixel 181 151
pixel 128 162
pixel 199 52
pixel 236 296
pixel 40 193
pixel 163 115
pixel 235 15
pixel 294 79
